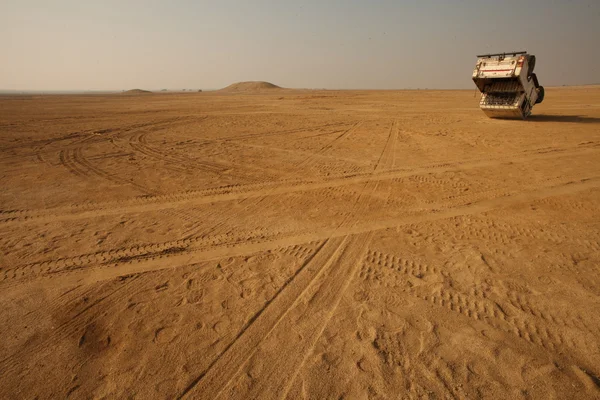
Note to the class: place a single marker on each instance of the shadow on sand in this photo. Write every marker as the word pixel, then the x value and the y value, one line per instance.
pixel 564 118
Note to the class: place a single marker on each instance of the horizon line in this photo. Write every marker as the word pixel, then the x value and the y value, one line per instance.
pixel 76 91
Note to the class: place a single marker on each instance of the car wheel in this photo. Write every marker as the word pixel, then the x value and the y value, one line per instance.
pixel 541 93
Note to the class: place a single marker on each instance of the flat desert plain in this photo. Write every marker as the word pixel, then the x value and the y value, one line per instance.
pixel 300 245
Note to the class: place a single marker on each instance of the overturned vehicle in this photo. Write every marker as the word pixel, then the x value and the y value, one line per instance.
pixel 508 86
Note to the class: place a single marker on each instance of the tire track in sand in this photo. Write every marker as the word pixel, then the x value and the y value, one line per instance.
pixel 223 369
pixel 77 164
pixel 386 161
pixel 147 257
pixel 290 324
pixel 328 146
pixel 153 202
pixel 388 155
pixel 176 162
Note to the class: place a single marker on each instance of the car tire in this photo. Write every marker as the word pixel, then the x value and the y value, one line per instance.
pixel 531 63
pixel 541 93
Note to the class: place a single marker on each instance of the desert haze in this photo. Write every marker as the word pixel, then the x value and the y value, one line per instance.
pixel 260 242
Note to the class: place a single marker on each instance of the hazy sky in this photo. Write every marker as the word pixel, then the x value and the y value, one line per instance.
pixel 386 44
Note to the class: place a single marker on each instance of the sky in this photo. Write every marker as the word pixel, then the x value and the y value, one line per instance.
pixel 335 44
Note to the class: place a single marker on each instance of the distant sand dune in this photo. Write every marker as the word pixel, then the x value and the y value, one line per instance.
pixel 252 86
pixel 137 91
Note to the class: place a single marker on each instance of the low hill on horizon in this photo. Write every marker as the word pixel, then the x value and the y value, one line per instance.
pixel 250 86
pixel 137 91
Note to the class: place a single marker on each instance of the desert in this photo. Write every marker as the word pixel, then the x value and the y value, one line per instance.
pixel 264 242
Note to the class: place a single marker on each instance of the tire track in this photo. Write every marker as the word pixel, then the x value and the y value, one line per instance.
pixel 130 255
pixel 345 134
pixel 234 192
pixel 313 325
pixel 498 232
pixel 500 312
pixel 137 143
pixel 306 153
pixel 92 136
pixel 173 161
pixel 74 161
pixel 67 160
pixel 285 132
pixel 247 205
pixel 387 158
pixel 147 257
pixel 190 165
pixel 295 333
pixel 298 251
pixel 226 366
pixel 84 164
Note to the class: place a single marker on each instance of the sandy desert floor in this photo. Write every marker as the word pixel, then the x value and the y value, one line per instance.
pixel 299 244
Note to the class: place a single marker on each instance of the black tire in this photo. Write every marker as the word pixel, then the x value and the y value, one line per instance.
pixel 531 63
pixel 541 93
pixel 535 80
